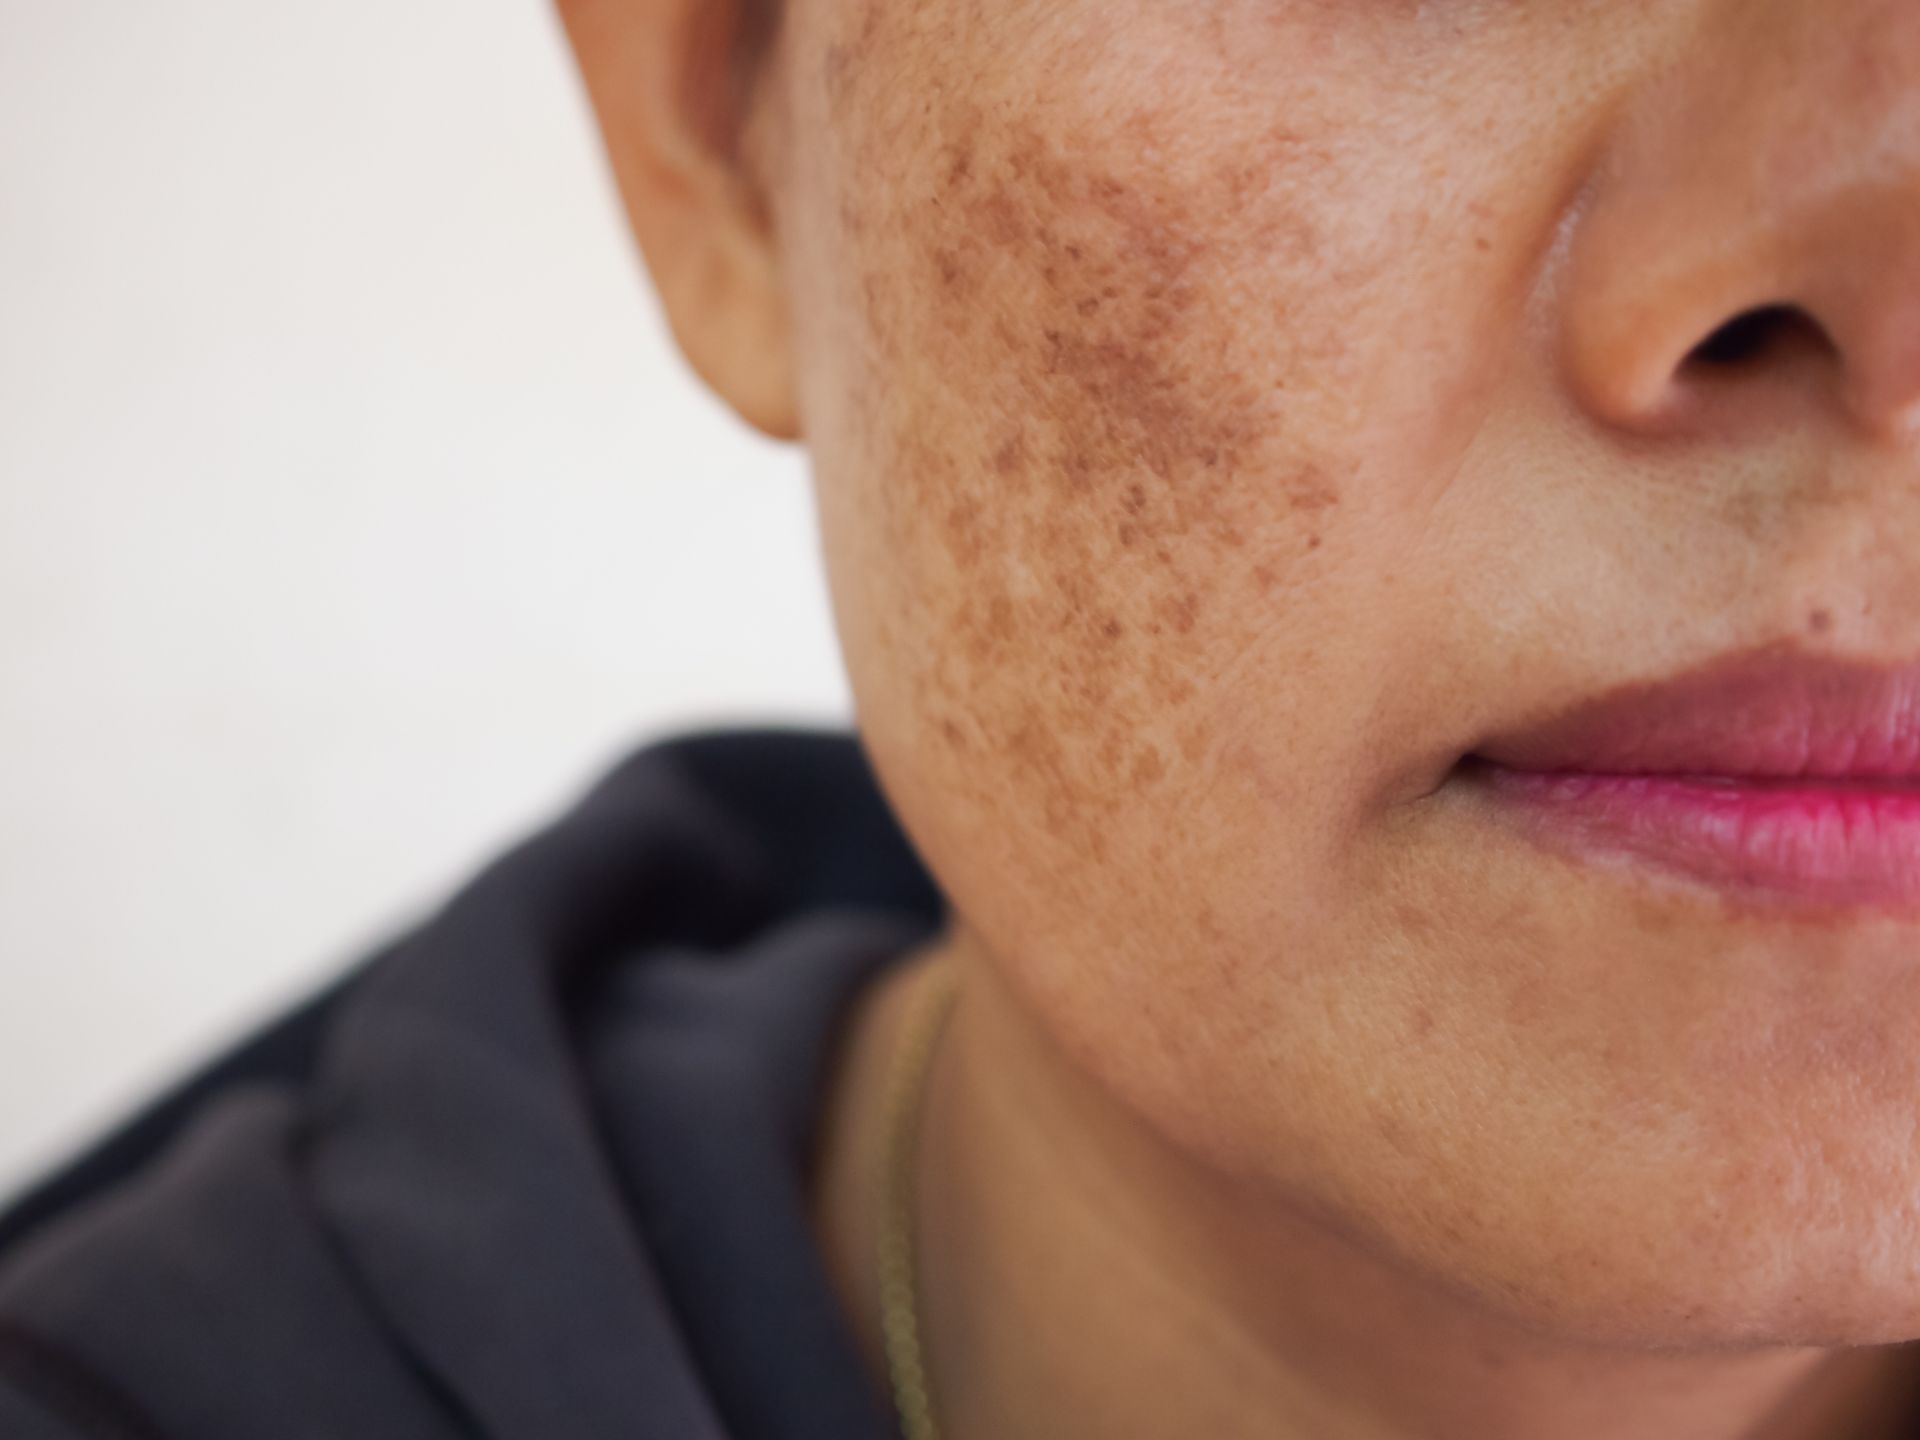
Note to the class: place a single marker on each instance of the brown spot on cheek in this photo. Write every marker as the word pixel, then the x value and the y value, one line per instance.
pixel 1180 613
pixel 1115 284
pixel 1061 281
pixel 956 275
pixel 1311 489
pixel 1148 767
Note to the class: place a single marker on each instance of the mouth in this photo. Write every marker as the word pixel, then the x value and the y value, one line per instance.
pixel 1771 774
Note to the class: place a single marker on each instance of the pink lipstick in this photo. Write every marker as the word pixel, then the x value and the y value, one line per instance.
pixel 1772 773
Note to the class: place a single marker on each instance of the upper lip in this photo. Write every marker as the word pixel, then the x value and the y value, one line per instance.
pixel 1770 712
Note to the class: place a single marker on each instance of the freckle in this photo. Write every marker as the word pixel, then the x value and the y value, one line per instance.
pixel 1312 490
pixel 1313 542
pixel 1111 628
pixel 1193 743
pixel 1184 611
pixel 1819 622
pixel 1136 499
pixel 1000 617
pixel 1264 577
pixel 953 735
pixel 1148 767
pixel 1092 691
pixel 1524 1004
pixel 1010 453
pixel 1422 1022
pixel 1001 220
pixel 963 527
pixel 1207 922
pixel 953 272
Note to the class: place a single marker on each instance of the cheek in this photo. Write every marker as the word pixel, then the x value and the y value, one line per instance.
pixel 1106 439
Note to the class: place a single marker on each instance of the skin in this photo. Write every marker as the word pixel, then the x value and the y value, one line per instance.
pixel 1222 414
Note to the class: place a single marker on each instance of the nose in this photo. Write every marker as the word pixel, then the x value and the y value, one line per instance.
pixel 1748 246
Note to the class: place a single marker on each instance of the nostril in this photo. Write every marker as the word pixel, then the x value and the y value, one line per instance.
pixel 1750 333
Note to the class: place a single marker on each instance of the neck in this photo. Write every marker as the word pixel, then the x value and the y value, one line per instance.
pixel 1080 1276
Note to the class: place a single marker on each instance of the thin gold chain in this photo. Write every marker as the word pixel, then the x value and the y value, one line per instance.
pixel 899 1298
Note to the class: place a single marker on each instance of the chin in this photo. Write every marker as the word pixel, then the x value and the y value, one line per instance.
pixel 1683 1266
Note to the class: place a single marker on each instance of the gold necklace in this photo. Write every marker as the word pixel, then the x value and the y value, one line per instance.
pixel 899 1300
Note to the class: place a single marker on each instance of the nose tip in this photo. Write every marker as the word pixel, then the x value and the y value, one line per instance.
pixel 1750 244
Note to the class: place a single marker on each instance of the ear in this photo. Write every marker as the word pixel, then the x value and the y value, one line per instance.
pixel 672 82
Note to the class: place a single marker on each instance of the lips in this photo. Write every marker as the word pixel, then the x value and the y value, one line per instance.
pixel 1771 773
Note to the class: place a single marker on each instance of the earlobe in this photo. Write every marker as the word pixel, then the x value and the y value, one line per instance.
pixel 663 76
pixel 732 327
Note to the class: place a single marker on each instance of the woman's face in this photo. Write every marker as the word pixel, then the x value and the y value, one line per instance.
pixel 1228 414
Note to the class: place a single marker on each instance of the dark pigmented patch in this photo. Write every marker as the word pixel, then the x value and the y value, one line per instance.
pixel 1311 489
pixel 1097 419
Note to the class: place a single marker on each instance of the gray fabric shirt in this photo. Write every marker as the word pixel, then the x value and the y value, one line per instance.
pixel 537 1170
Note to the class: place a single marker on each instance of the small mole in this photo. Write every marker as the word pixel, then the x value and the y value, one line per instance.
pixel 1819 622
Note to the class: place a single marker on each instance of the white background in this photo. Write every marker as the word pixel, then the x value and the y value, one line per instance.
pixel 355 509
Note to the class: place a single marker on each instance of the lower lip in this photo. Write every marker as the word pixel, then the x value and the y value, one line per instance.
pixel 1822 842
